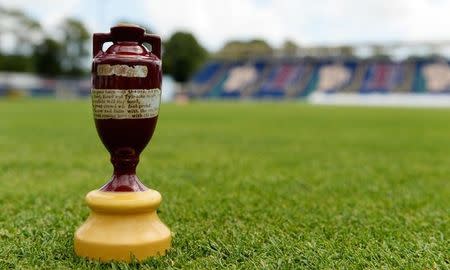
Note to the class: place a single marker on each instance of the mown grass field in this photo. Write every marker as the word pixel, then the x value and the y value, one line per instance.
pixel 244 185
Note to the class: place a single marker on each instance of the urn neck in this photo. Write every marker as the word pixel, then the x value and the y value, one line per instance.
pixel 124 178
pixel 124 164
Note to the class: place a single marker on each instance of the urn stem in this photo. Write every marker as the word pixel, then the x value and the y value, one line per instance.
pixel 124 164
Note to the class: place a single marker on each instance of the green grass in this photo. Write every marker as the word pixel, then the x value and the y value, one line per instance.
pixel 246 185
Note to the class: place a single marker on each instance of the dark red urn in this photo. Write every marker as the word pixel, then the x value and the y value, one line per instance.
pixel 126 94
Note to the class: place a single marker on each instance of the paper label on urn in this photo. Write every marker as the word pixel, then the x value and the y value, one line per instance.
pixel 138 71
pixel 125 104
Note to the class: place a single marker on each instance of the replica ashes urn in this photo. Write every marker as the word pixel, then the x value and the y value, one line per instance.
pixel 126 93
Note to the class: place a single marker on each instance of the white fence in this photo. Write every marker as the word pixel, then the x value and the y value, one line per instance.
pixel 387 100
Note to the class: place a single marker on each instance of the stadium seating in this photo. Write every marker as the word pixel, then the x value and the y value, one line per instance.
pixel 281 78
pixel 297 78
pixel 206 73
pixel 237 79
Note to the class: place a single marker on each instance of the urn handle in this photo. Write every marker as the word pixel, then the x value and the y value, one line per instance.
pixel 155 41
pixel 98 40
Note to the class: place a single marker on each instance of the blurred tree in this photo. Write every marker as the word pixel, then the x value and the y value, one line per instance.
pixel 16 62
pixel 19 34
pixel 75 50
pixel 47 58
pixel 346 51
pixel 260 47
pixel 244 49
pixel 23 31
pixel 183 55
pixel 289 48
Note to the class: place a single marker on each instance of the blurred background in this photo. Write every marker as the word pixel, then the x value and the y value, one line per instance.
pixel 330 52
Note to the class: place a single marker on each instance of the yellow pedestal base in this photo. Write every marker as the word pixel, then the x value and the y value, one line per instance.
pixel 122 226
